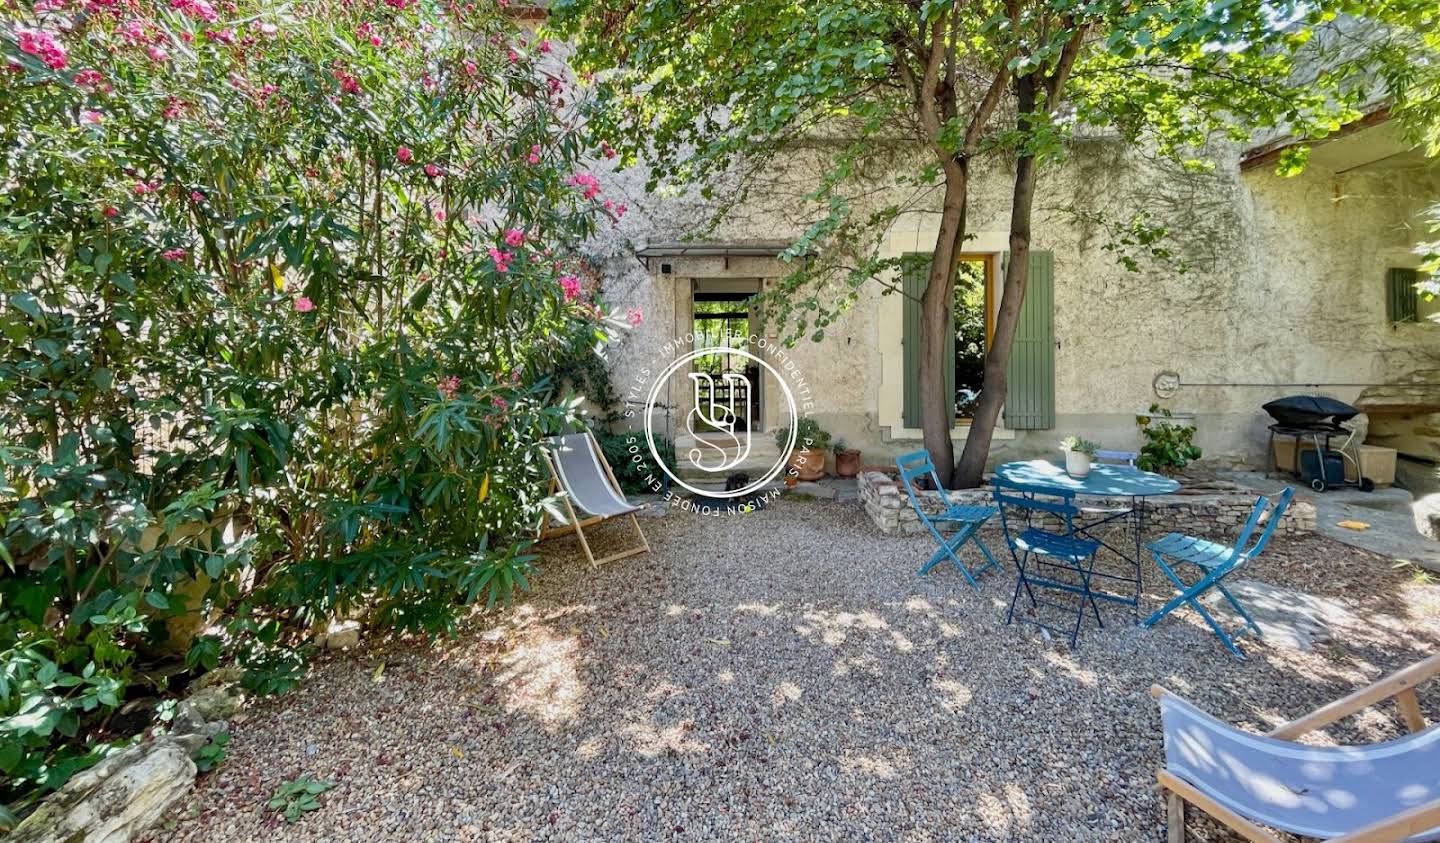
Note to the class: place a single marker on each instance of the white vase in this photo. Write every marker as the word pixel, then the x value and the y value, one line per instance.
pixel 1077 465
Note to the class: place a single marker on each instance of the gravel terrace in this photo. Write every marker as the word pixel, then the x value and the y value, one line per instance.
pixel 784 675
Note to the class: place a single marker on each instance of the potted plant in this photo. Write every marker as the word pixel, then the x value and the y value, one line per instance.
pixel 807 460
pixel 1169 443
pixel 847 460
pixel 1078 453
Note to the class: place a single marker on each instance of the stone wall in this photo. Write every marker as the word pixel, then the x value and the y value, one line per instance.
pixel 1286 285
pixel 1218 515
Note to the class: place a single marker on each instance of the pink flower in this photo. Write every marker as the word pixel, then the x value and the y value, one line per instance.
pixel 449 386
pixel 174 255
pixel 93 118
pixel 111 211
pixel 198 9
pixel 440 215
pixel 514 237
pixel 196 196
pixel 224 36
pixel 514 57
pixel 89 77
pixel 403 155
pixel 534 157
pixel 634 316
pixel 432 171
pixel 157 53
pixel 570 286
pixel 544 46
pixel 38 42
pixel 304 305
pixel 132 30
pixel 500 403
pixel 502 259
pixel 470 68
pixel 142 188
pixel 607 150
pixel 590 184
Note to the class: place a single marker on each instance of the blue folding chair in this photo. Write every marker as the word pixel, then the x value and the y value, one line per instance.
pixel 1055 561
pixel 969 518
pixel 1122 457
pixel 1216 561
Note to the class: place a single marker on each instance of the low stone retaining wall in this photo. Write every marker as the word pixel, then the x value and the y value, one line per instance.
pixel 1217 515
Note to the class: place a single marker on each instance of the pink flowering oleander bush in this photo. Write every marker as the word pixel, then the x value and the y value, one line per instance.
pixel 283 284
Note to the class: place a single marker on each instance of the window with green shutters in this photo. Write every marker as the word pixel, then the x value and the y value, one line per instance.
pixel 1401 296
pixel 913 282
pixel 1031 401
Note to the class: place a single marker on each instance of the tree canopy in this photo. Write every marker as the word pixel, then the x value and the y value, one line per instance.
pixel 921 91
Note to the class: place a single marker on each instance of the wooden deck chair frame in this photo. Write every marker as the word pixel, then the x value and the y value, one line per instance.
pixel 577 524
pixel 1399 686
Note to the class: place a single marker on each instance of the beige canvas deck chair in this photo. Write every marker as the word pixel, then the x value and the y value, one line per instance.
pixel 1377 793
pixel 579 470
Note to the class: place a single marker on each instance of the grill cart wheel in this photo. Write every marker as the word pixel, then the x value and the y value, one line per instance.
pixel 1317 484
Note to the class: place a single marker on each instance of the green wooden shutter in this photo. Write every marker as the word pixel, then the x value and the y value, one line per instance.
pixel 1030 402
pixel 1401 297
pixel 913 282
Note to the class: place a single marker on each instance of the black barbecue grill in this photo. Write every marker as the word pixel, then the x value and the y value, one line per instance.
pixel 1315 419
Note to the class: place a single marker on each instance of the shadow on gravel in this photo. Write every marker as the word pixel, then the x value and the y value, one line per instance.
pixel 785 675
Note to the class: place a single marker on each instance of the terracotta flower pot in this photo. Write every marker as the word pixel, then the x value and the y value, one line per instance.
pixel 847 463
pixel 807 464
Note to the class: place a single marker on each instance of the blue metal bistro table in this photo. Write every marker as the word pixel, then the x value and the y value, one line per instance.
pixel 1103 481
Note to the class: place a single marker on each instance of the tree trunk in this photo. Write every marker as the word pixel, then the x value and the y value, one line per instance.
pixel 970 471
pixel 937 410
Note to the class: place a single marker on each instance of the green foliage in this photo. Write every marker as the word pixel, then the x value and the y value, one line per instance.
pixel 284 291
pixel 684 92
pixel 212 754
pixel 808 435
pixel 298 796
pixel 1168 446
pixel 630 459
pixel 583 370
pixel 1080 445
pixel 971 341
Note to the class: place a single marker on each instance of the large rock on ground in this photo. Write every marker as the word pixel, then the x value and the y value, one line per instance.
pixel 116 799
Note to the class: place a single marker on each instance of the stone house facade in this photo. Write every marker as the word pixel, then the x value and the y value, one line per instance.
pixel 1287 291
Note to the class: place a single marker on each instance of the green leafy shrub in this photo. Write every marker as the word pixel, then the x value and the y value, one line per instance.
pixel 1168 446
pixel 283 288
pixel 808 434
pixel 212 754
pixel 296 797
pixel 632 463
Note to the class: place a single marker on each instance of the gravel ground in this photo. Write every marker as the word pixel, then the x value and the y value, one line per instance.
pixel 783 675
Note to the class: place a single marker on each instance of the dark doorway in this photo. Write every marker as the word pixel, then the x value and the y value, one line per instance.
pixel 722 320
